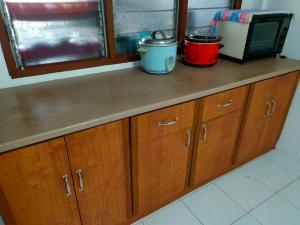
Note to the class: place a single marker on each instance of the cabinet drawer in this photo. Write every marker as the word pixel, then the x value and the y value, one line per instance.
pixel 223 103
pixel 165 121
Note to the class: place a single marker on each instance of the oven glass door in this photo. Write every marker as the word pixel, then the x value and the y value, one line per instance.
pixel 262 37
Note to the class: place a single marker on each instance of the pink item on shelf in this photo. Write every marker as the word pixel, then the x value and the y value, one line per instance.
pixel 226 14
pixel 243 17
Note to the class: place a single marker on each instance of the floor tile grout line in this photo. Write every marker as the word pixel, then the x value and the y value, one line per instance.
pixel 269 187
pixel 284 167
pixel 289 170
pixel 259 181
pixel 265 156
pixel 188 208
pixel 267 200
pixel 274 193
pixel 248 213
pixel 288 152
pixel 231 198
pixel 257 220
pixel 272 196
pixel 292 204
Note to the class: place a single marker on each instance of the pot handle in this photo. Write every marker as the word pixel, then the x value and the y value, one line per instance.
pixel 170 63
pixel 142 50
pixel 153 35
pixel 221 46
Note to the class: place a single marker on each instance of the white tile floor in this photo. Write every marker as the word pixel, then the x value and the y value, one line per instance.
pixel 265 191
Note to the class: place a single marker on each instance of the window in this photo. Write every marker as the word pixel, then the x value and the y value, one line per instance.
pixel 134 19
pixel 39 37
pixel 54 31
pixel 201 12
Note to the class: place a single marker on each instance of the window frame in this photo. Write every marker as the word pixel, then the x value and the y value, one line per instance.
pixel 112 58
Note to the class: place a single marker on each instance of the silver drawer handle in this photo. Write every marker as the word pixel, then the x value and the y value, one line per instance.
pixel 168 123
pixel 68 188
pixel 188 142
pixel 81 185
pixel 204 132
pixel 268 113
pixel 273 106
pixel 227 104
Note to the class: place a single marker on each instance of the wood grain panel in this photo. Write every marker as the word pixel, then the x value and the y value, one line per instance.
pixel 102 155
pixel 223 103
pixel 148 124
pixel 259 131
pixel 282 94
pixel 35 193
pixel 161 170
pixel 214 153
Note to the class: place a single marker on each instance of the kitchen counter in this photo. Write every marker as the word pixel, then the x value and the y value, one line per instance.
pixel 38 112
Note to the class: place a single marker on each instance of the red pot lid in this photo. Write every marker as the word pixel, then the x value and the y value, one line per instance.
pixel 203 38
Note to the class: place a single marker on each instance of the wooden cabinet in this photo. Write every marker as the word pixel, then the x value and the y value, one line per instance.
pixel 214 149
pixel 219 121
pixel 266 110
pixel 92 177
pixel 99 160
pixel 32 188
pixel 161 163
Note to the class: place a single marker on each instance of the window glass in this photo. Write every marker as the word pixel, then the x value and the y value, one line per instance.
pixel 201 12
pixel 51 31
pixel 135 19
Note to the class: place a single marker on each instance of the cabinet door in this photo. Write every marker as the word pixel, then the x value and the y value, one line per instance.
pixel 265 114
pixel 216 140
pixel 281 99
pixel 98 159
pixel 33 191
pixel 160 170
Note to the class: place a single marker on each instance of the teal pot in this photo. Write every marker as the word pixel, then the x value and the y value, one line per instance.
pixel 158 56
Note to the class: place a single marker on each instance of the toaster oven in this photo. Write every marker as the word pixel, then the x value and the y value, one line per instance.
pixel 264 36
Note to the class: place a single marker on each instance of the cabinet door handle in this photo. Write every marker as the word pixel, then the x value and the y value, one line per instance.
pixel 188 141
pixel 268 113
pixel 226 104
pixel 273 106
pixel 204 132
pixel 168 123
pixel 68 188
pixel 81 185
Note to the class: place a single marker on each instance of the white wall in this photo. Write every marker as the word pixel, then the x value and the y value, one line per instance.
pixel 6 81
pixel 290 137
pixel 252 4
pixel 292 48
pixel 1 221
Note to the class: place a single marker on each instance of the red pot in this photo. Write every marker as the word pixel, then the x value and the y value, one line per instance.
pixel 202 50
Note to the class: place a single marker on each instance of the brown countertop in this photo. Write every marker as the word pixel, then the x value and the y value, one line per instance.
pixel 34 113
